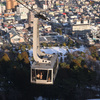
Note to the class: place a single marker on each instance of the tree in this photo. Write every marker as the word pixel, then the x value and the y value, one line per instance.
pixel 59 31
pixel 55 44
pixel 79 59
pixel 69 57
pixel 75 63
pixel 77 44
pixel 24 56
pixel 99 58
pixel 26 60
pixel 63 65
pixel 19 57
pixel 49 45
pixel 64 44
pixel 29 47
pixel 44 44
pixel 5 57
pixel 70 43
pixel 85 66
pixel 83 63
pixel 4 64
pixel 67 66
pixel 23 48
pixel 93 51
pixel 20 47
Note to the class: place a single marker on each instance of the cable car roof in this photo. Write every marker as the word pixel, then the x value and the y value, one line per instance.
pixel 45 66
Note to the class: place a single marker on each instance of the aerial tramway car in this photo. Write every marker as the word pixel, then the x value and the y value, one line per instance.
pixel 45 67
pixel 43 73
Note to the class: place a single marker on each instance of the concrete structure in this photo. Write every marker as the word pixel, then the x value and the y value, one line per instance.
pixel 30 19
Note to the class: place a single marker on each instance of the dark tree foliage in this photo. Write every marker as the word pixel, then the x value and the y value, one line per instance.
pixel 5 57
pixel 93 51
pixel 71 78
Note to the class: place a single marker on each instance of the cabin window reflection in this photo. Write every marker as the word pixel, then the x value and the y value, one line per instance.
pixel 33 75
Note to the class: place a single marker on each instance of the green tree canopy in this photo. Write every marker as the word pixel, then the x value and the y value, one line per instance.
pixel 63 65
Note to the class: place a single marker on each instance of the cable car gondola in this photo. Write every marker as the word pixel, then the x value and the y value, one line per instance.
pixel 45 67
pixel 43 73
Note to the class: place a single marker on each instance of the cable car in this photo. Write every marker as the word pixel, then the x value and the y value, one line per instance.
pixel 45 67
pixel 43 73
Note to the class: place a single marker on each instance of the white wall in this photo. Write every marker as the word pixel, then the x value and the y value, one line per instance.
pixel 22 9
pixel 80 27
pixel 0 8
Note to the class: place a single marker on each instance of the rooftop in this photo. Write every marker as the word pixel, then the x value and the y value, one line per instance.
pixel 45 65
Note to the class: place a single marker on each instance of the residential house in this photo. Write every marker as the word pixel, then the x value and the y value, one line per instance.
pixel 1 42
pixel 15 37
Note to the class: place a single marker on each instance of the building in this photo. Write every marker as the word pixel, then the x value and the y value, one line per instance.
pixel 14 37
pixel 81 27
pixel 10 4
pixel 21 9
pixel 2 8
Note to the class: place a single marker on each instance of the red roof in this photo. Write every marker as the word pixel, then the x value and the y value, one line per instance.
pixel 62 4
pixel 64 13
pixel 76 7
pixel 79 13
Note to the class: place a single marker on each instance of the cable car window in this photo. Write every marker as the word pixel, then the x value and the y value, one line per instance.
pixel 41 74
pixel 49 75
pixel 33 75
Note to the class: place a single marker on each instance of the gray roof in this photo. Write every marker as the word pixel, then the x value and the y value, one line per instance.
pixel 60 39
pixel 45 65
pixel 42 39
pixel 13 31
pixel 49 38
pixel 46 38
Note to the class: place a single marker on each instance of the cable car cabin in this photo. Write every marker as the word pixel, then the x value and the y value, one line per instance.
pixel 44 73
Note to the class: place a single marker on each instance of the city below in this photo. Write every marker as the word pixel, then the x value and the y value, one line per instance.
pixel 49 49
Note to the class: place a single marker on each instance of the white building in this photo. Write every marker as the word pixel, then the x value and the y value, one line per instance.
pixel 45 6
pixel 0 9
pixel 23 16
pixel 22 9
pixel 18 26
